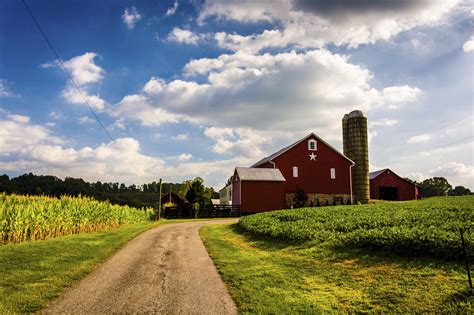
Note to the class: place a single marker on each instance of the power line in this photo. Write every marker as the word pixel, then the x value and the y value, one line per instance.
pixel 60 62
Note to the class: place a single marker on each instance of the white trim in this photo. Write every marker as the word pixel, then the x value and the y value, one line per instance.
pixel 350 182
pixel 332 173
pixel 295 171
pixel 311 141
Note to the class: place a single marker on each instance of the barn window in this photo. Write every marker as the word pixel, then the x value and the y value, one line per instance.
pixel 312 145
pixel 295 171
pixel 333 173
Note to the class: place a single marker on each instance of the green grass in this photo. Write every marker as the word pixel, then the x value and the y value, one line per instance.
pixel 34 272
pixel 270 276
pixel 412 228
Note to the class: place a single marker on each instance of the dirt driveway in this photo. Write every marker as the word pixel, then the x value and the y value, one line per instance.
pixel 164 270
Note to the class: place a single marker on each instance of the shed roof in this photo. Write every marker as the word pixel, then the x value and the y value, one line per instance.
pixel 372 175
pixel 260 174
pixel 280 152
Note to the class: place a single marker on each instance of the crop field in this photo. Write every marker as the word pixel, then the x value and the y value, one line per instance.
pixel 428 227
pixel 386 257
pixel 25 218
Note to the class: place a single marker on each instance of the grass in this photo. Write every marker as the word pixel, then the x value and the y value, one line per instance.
pixel 266 275
pixel 34 272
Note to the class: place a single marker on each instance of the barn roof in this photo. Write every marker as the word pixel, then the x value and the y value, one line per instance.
pixel 280 152
pixel 260 174
pixel 372 175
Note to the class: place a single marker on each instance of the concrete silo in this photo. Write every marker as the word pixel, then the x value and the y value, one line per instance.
pixel 355 143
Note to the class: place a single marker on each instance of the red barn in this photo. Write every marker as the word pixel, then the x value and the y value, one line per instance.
pixel 309 165
pixel 387 185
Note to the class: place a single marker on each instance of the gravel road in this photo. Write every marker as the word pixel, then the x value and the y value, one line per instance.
pixel 165 270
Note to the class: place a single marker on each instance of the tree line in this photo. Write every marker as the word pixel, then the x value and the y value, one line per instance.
pixel 145 195
pixel 439 186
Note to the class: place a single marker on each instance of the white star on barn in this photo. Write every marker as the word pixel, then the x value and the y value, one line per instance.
pixel 312 157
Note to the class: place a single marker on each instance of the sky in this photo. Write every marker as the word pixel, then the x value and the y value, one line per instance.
pixel 189 88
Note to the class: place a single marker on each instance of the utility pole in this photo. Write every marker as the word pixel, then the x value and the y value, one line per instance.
pixel 159 203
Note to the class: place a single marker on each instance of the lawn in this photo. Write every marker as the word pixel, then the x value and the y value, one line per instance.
pixel 268 273
pixel 34 272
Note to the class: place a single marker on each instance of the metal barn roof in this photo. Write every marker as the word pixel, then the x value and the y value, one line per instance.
pixel 260 174
pixel 372 175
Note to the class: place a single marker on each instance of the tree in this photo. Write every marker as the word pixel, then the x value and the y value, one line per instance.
pixel 196 192
pixel 436 186
pixel 460 191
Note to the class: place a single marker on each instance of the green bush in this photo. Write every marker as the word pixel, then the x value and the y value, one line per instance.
pixel 427 227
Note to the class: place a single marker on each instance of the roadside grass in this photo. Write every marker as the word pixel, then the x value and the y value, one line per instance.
pixel 31 273
pixel 266 275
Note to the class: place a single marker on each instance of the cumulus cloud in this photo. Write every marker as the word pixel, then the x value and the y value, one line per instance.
pixel 85 72
pixel 83 69
pixel 316 23
pixel 239 141
pixel 173 9
pixel 183 36
pixel 138 107
pixel 299 92
pixel 469 45
pixel 419 139
pixel 130 17
pixel 56 115
pixel 456 173
pixel 185 157
pixel 27 147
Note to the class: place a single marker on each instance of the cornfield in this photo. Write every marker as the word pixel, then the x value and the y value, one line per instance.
pixel 25 218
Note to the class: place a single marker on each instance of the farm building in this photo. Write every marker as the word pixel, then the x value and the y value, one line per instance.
pixel 309 167
pixel 387 185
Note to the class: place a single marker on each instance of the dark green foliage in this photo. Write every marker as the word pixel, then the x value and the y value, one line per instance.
pixel 195 193
pixel 428 227
pixel 460 191
pixel 436 186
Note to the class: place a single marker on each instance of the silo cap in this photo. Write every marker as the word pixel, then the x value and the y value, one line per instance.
pixel 355 113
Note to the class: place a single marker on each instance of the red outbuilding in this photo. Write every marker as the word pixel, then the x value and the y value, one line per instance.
pixel 387 185
pixel 309 165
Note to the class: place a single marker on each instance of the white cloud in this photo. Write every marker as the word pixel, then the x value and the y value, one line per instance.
pixel 456 173
pixel 238 142
pixel 137 107
pixel 316 23
pixel 56 115
pixel 4 89
pixel 118 124
pixel 19 118
pixel 384 122
pixel 84 72
pixel 296 92
pixel 130 17
pixel 469 45
pixel 173 9
pixel 85 120
pixel 83 69
pixel 185 157
pixel 50 124
pixel 419 139
pixel 73 96
pixel 181 137
pixel 154 85
pixel 183 36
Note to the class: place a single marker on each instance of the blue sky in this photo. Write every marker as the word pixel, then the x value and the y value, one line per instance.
pixel 195 88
